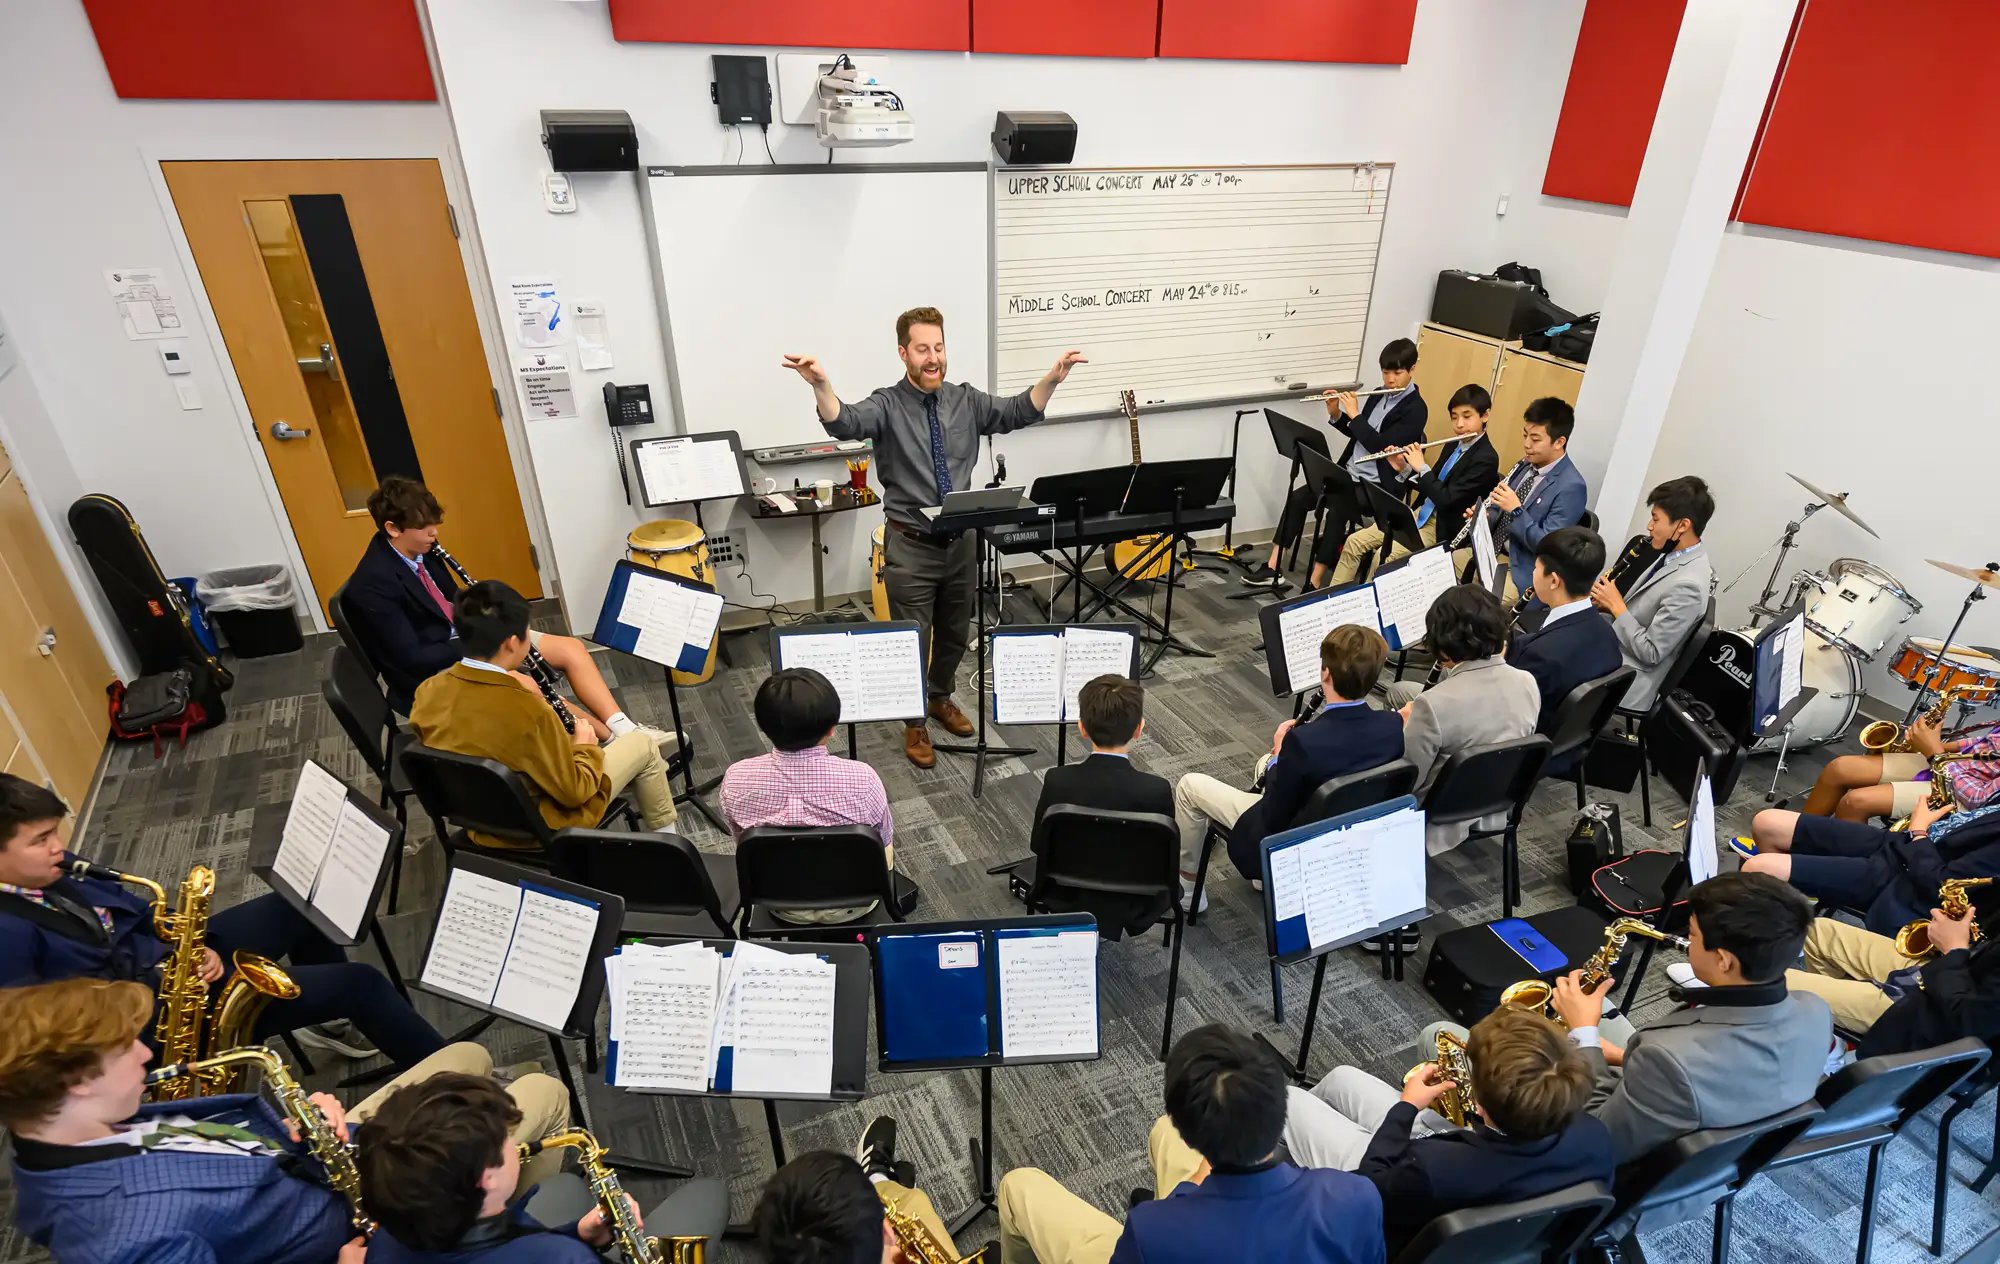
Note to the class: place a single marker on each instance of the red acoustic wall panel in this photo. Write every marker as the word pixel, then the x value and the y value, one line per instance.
pixel 263 50
pixel 1288 30
pixel 1886 126
pixel 828 24
pixel 1615 77
pixel 1066 28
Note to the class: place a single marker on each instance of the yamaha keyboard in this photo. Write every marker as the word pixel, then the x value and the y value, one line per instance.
pixel 1064 533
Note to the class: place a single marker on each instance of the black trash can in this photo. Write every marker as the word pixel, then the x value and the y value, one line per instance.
pixel 253 608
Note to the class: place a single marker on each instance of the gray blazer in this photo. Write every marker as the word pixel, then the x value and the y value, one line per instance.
pixel 1661 612
pixel 1480 701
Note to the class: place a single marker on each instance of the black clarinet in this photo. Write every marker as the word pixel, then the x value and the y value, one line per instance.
pixel 1639 554
pixel 1500 527
pixel 537 667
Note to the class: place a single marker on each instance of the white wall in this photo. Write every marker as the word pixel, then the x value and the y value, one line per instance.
pixel 1448 120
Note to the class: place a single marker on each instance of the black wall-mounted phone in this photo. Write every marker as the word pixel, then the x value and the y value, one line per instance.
pixel 628 405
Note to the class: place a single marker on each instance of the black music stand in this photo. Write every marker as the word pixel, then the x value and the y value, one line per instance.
pixel 1173 488
pixel 779 635
pixel 1268 616
pixel 1321 471
pixel 1059 629
pixel 1396 519
pixel 1228 552
pixel 267 830
pixel 1077 496
pixel 1766 670
pixel 1289 436
pixel 887 1003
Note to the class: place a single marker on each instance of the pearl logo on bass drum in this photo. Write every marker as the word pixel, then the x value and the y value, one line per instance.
pixel 1724 660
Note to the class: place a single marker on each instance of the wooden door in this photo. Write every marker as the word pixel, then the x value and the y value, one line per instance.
pixel 1446 360
pixel 343 302
pixel 1526 376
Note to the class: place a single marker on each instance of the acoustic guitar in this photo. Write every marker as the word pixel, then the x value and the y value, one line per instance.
pixel 1142 557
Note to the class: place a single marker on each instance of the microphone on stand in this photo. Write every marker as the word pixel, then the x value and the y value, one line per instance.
pixel 999 470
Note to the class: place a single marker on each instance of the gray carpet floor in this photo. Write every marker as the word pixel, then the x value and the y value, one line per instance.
pixel 1084 1122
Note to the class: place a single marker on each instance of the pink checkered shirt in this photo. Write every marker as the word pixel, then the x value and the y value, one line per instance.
pixel 1975 782
pixel 808 787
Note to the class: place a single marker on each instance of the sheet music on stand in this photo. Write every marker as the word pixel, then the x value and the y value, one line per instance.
pixel 689 1018
pixel 1404 596
pixel 515 945
pixel 876 668
pixel 1038 671
pixel 684 469
pixel 1013 990
pixel 1345 879
pixel 1703 858
pixel 659 616
pixel 1303 625
pixel 332 850
pixel 1486 556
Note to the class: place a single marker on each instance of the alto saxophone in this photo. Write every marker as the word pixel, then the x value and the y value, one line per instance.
pixel 1914 940
pixel 1537 996
pixel 535 665
pixel 627 1234
pixel 1456 1103
pixel 1886 737
pixel 334 1153
pixel 919 1244
pixel 188 1026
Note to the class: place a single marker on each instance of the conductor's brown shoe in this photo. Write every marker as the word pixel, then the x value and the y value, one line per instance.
pixel 917 745
pixel 946 712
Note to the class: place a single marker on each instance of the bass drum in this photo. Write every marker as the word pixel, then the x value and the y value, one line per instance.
pixel 1827 718
pixel 678 548
pixel 878 589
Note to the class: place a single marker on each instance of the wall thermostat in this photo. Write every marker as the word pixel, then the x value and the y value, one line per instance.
pixel 173 357
pixel 556 193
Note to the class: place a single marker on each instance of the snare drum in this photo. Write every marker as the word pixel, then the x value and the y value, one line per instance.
pixel 1857 606
pixel 677 548
pixel 1963 665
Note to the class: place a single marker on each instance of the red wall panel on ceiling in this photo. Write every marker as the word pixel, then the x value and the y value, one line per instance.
pixel 1289 30
pixel 263 50
pixel 1622 54
pixel 834 25
pixel 1886 127
pixel 1066 28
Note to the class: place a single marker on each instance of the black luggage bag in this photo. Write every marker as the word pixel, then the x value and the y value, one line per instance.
pixel 1471 967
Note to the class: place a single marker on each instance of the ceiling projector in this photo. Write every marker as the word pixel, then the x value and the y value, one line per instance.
pixel 856 111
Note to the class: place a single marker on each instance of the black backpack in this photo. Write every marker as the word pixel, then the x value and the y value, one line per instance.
pixel 1521 272
pixel 164 704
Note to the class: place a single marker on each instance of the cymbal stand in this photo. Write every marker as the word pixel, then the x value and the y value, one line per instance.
pixel 1762 608
pixel 1929 675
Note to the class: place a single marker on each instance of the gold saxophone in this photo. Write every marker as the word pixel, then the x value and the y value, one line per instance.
pixel 1914 940
pixel 919 1244
pixel 188 1025
pixel 1886 737
pixel 334 1153
pixel 1456 1102
pixel 626 1232
pixel 1536 996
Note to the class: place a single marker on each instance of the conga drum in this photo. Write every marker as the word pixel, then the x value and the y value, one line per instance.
pixel 678 548
pixel 877 587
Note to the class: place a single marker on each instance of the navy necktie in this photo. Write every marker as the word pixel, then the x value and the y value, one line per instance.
pixel 938 466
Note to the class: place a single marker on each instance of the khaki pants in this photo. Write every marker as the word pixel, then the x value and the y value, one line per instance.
pixel 1199 799
pixel 1367 540
pixel 1843 965
pixel 1043 1223
pixel 1900 771
pixel 633 763
pixel 914 1202
pixel 541 1099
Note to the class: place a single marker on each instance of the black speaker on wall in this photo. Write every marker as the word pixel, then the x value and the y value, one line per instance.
pixel 590 140
pixel 1033 138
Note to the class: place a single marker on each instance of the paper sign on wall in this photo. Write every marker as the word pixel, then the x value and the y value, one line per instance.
pixel 539 319
pixel 146 307
pixel 593 343
pixel 545 388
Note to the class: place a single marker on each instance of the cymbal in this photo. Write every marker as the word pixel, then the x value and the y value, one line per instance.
pixel 1987 577
pixel 1836 503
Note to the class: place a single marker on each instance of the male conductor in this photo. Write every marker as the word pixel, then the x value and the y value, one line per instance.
pixel 926 433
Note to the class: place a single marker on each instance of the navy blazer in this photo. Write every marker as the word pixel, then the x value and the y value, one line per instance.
pixel 1562 655
pixel 40 943
pixel 1910 870
pixel 1475 473
pixel 1109 783
pixel 1282 1213
pixel 1403 424
pixel 1558 501
pixel 1423 1178
pixel 172 1207
pixel 1337 741
pixel 406 634
pixel 525 1240
pixel 1960 997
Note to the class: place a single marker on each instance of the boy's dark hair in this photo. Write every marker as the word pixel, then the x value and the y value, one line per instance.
pixel 1466 622
pixel 1472 395
pixel 1225 1096
pixel 405 502
pixel 1684 497
pixel 486 615
pixel 819 1209
pixel 796 707
pixel 1525 1072
pixel 917 316
pixel 421 1155
pixel 1555 416
pixel 1399 356
pixel 1574 555
pixel 1754 915
pixel 1353 658
pixel 1110 708
pixel 22 802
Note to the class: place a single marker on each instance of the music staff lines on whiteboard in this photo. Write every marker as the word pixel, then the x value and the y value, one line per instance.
pixel 1083 319
pixel 1193 254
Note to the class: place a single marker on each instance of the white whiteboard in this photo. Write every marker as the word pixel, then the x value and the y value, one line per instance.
pixel 754 264
pixel 1184 285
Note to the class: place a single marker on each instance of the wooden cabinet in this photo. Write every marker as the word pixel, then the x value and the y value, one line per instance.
pixel 52 670
pixel 1449 358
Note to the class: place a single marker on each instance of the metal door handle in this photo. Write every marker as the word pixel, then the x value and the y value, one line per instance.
pixel 279 430
pixel 45 644
pixel 323 363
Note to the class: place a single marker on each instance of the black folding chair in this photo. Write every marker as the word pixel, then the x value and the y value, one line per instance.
pixel 1081 853
pixel 1867 1103
pixel 1550 1227
pixel 1635 719
pixel 669 886
pixel 1712 1164
pixel 1964 1097
pixel 344 623
pixel 355 697
pixel 466 792
pixel 801 869
pixel 1582 716
pixel 1483 781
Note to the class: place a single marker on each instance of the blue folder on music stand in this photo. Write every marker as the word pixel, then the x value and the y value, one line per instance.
pixel 624 636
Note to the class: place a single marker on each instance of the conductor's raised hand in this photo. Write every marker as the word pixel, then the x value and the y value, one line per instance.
pixel 1059 372
pixel 808 368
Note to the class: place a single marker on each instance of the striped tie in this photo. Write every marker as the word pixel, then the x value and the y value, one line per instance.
pixel 938 465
